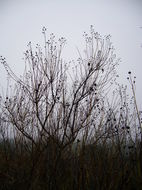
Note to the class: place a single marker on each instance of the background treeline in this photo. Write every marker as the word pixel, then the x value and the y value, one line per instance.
pixel 70 126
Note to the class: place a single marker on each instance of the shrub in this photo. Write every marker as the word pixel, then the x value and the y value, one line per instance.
pixel 59 129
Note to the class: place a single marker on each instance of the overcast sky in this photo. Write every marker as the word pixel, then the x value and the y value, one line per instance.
pixel 21 21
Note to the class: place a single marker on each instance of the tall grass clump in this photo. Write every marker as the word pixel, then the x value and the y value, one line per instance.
pixel 69 125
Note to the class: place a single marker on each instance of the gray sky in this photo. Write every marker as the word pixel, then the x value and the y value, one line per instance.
pixel 21 21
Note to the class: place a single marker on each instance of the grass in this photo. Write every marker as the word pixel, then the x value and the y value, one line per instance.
pixel 91 166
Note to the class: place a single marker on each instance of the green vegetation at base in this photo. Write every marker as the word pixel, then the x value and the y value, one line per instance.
pixel 49 166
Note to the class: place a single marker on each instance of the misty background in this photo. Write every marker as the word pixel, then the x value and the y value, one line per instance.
pixel 21 21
